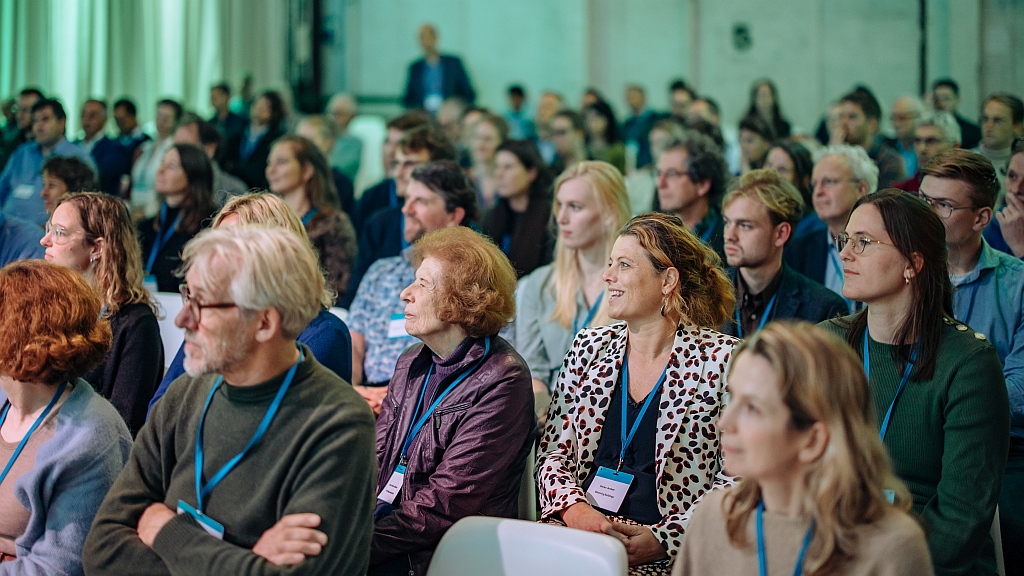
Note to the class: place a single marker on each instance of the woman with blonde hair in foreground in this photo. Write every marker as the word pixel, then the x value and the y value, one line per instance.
pixel 817 485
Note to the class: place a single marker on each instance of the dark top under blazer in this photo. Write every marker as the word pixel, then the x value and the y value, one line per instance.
pixel 532 242
pixel 808 255
pixel 454 82
pixel 799 298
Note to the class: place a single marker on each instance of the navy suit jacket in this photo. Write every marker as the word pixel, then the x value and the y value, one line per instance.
pixel 454 82
pixel 799 298
pixel 381 237
pixel 113 160
pixel 808 254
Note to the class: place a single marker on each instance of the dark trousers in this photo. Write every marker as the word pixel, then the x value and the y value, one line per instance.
pixel 1011 511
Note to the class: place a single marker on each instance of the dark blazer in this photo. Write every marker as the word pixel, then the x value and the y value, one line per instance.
pixel 799 298
pixel 113 160
pixel 346 191
pixel 251 170
pixel 231 125
pixel 377 197
pixel 381 237
pixel 970 134
pixel 454 82
pixel 808 255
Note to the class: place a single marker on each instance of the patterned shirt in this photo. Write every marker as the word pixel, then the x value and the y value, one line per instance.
pixel 375 304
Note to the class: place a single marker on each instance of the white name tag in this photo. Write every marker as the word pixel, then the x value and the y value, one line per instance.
pixel 24 192
pixel 396 326
pixel 149 283
pixel 212 527
pixel 609 488
pixel 393 486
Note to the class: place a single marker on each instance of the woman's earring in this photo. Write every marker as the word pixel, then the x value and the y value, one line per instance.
pixel 906 276
pixel 92 259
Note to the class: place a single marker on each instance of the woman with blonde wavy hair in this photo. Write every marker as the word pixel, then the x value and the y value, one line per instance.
pixel 631 442
pixel 93 234
pixel 815 496
pixel 557 300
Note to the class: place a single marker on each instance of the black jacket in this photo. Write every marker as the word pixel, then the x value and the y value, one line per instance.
pixel 799 298
pixel 454 82
pixel 970 134
pixel 252 170
pixel 808 255
pixel 381 237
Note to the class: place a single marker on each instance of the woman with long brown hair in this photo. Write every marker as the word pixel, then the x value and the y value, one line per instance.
pixel 799 430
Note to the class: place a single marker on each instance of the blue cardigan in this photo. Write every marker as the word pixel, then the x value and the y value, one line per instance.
pixel 71 476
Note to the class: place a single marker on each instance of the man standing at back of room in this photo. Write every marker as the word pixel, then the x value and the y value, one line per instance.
pixel 435 77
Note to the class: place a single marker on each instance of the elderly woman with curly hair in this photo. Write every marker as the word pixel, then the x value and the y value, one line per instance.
pixel 61 444
pixel 457 424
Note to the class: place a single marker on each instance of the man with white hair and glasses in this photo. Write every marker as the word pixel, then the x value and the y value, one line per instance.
pixel 935 133
pixel 254 436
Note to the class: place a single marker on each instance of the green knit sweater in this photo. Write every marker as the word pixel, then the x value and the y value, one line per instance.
pixel 948 439
pixel 317 456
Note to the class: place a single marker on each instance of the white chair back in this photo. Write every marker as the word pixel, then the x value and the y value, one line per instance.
pixel 171 335
pixel 484 546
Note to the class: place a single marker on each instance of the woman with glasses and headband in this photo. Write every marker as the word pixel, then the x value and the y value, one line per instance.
pixel 631 442
pixel 327 335
pixel 937 386
pixel 61 444
pixel 93 234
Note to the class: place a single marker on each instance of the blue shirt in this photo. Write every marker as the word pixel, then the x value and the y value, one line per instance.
pixel 326 336
pixel 19 240
pixel 997 311
pixel 993 234
pixel 377 300
pixel 22 181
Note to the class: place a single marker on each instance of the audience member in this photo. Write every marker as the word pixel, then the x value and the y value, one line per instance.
pixel 668 289
pixel 21 181
pixel 63 444
pixel 590 97
pixel 347 152
pixel 184 181
pixel 19 239
pixel 550 104
pixel 1001 123
pixel 440 196
pixel 449 117
pixel 557 300
pixel 21 131
pixel 636 128
pixel 860 118
pixel 1006 232
pixel 385 193
pixel 519 223
pixel 472 461
pixel 691 181
pixel 935 133
pixel 705 109
pixel 520 127
pixel 602 138
pixel 793 162
pixel 756 138
pixel 326 335
pixel 94 235
pixel 299 173
pixel 467 124
pixel 246 154
pixel 946 98
pixel 318 130
pixel 145 200
pixel 248 292
pixel 906 114
pixel 226 122
pixel 113 161
pixel 760 212
pixel 947 433
pixel 489 132
pixel 842 175
pixel 64 174
pixel 193 130
pixel 799 430
pixel 435 76
pixel 680 96
pixel 130 134
pixel 988 296
pixel 384 232
pixel 764 103
pixel 642 184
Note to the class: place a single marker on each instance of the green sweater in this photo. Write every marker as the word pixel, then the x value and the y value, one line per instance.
pixel 317 456
pixel 948 439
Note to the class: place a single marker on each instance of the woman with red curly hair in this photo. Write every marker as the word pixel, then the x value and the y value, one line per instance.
pixel 61 444
pixel 457 424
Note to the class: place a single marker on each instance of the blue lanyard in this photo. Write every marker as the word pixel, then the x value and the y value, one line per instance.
pixel 309 216
pixel 970 303
pixel 416 425
pixel 393 194
pixel 762 560
pixel 506 244
pixel 590 315
pixel 162 236
pixel 706 234
pixel 24 441
pixel 227 468
pixel 899 390
pixel 626 440
pixel 764 316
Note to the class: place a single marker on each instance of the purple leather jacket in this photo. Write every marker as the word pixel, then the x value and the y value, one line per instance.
pixel 467 460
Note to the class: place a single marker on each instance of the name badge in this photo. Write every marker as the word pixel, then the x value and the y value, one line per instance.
pixel 24 191
pixel 890 495
pixel 212 527
pixel 149 283
pixel 396 326
pixel 393 486
pixel 609 488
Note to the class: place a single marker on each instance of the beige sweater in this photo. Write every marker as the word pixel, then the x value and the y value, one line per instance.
pixel 892 546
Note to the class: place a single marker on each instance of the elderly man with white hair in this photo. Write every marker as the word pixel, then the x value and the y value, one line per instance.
pixel 348 149
pixel 934 133
pixel 842 174
pixel 252 438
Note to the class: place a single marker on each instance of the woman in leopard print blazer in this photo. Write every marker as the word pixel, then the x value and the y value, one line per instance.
pixel 671 293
